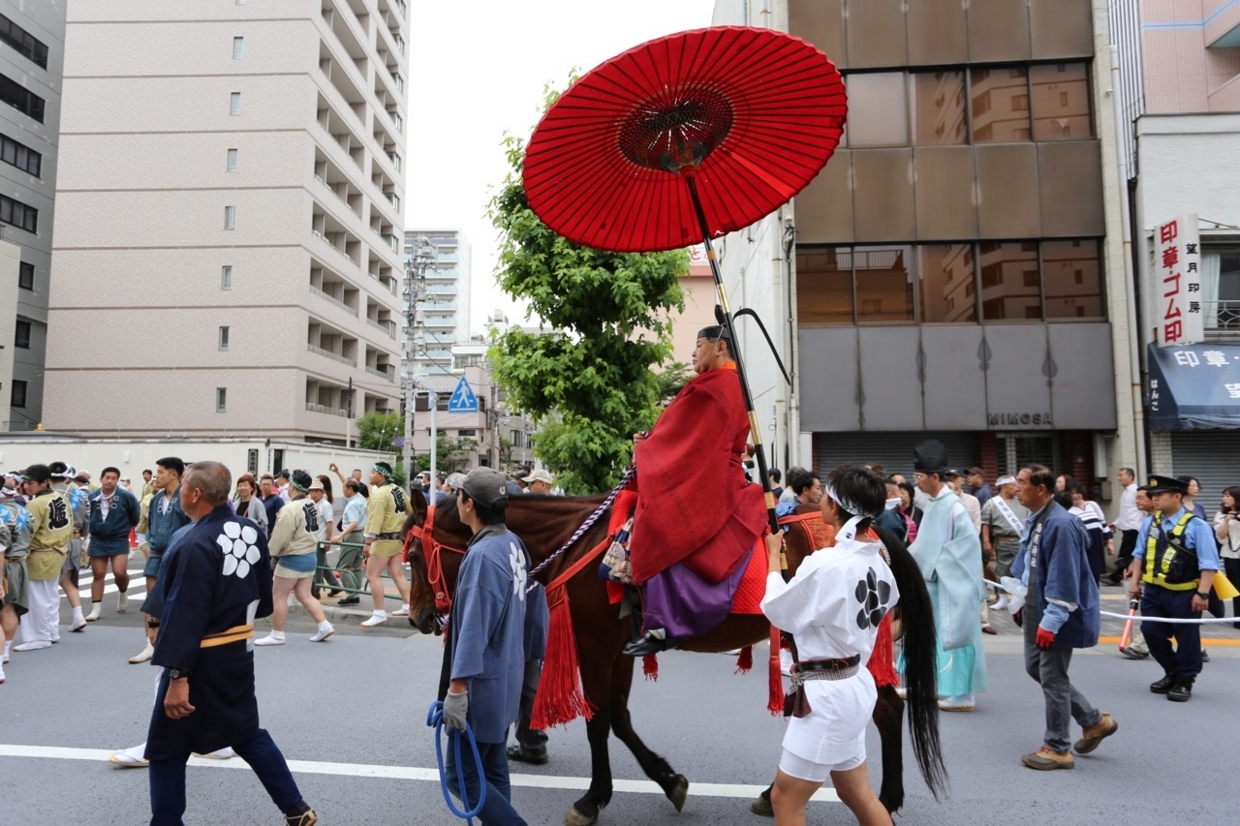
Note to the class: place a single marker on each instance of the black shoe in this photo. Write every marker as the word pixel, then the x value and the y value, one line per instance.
pixel 334 591
pixel 1109 580
pixel 1182 693
pixel 1165 685
pixel 354 599
pixel 1205 656
pixel 648 644
pixel 524 755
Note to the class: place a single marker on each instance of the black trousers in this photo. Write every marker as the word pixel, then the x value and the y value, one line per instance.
pixel 1185 658
pixel 531 740
pixel 1231 567
pixel 1127 545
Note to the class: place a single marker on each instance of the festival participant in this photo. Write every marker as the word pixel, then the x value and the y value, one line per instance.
pixel 489 643
pixel 294 540
pixel 15 534
pixel 164 518
pixel 385 516
pixel 688 551
pixel 217 582
pixel 1173 569
pixel 51 529
pixel 114 512
pixel 1060 614
pixel 833 607
pixel 948 550
pixel 1003 527
pixel 64 483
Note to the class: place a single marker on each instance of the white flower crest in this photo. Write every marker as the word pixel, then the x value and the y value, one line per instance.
pixel 237 545
pixel 516 560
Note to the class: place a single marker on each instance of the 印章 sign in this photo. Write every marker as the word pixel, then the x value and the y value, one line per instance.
pixel 1176 282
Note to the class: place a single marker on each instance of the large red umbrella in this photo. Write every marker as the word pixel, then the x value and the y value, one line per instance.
pixel 749 115
pixel 683 139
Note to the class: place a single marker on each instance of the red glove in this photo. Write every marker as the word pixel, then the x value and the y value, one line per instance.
pixel 1045 638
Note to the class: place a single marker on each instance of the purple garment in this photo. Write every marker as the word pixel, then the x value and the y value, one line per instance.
pixel 685 605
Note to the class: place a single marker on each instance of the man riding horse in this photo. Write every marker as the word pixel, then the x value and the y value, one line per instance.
pixel 697 517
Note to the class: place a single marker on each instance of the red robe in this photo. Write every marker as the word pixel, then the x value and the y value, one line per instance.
pixel 693 504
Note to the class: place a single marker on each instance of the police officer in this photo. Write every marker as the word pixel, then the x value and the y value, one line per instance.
pixel 1174 561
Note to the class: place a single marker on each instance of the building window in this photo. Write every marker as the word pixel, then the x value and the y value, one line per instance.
pixel 937 108
pixel 230 217
pixel 226 277
pixel 221 399
pixel 232 160
pixel 1073 277
pixel 22 339
pixel 877 115
pixel 21 98
pixel 23 41
pixel 1000 104
pixel 223 338
pixel 234 103
pixel 238 48
pixel 25 276
pixel 883 284
pixel 946 283
pixel 466 432
pixel 18 396
pixel 825 286
pixel 1008 290
pixel 21 156
pixel 17 214
pixel 1061 102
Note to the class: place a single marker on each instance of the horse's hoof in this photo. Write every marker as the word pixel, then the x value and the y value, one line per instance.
pixel 762 806
pixel 576 818
pixel 892 806
pixel 679 792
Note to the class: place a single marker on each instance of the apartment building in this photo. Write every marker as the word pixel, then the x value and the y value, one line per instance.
pixel 1177 69
pixel 228 244
pixel 445 307
pixel 32 40
pixel 956 270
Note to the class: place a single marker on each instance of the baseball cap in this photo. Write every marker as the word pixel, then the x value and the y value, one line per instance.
pixel 539 475
pixel 485 486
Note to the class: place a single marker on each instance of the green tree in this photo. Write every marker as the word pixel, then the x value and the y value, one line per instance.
pixel 376 431
pixel 672 380
pixel 609 313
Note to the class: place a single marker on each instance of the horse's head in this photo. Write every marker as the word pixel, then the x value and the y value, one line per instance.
pixel 425 559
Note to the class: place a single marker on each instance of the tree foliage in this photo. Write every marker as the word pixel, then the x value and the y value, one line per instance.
pixel 375 431
pixel 608 313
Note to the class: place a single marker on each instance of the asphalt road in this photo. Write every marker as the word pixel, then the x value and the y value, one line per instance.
pixel 350 713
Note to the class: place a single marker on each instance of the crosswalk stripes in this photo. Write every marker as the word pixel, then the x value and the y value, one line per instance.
pixel 137 583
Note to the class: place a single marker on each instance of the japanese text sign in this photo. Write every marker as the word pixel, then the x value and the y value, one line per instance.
pixel 1176 283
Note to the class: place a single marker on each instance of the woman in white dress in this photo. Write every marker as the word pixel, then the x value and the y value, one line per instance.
pixel 833 607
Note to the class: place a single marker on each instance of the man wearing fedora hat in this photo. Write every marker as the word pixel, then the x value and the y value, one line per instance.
pixel 1173 570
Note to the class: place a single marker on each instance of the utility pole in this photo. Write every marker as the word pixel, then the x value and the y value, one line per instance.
pixel 422 257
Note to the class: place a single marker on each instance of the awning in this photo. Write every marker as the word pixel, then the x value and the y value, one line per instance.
pixel 1195 387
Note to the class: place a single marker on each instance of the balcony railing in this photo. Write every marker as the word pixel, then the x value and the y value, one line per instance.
pixel 388 327
pixel 314 348
pixel 330 411
pixel 327 241
pixel 333 300
pixel 1222 319
pixel 339 197
pixel 381 373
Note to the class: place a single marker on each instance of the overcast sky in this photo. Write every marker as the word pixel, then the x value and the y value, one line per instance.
pixel 477 70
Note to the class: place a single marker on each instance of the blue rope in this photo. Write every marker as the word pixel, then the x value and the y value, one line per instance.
pixel 434 719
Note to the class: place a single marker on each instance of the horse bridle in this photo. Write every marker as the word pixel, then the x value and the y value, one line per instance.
pixel 431 551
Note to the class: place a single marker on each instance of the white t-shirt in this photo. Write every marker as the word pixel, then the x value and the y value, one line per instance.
pixel 327 516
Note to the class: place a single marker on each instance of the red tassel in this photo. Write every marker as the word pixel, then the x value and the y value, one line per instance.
pixel 560 697
pixel 744 660
pixel 882 659
pixel 775 680
pixel 650 667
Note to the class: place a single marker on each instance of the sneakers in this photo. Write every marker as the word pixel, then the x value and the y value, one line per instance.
pixel 377 618
pixel 33 645
pixel 134 758
pixel 1095 734
pixel 271 639
pixel 146 654
pixel 325 631
pixel 122 602
pixel 1046 760
pixel 96 611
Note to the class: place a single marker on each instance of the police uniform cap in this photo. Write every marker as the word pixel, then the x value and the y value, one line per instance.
pixel 1164 484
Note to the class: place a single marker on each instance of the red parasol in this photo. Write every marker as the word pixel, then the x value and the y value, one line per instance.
pixel 741 118
pixel 749 115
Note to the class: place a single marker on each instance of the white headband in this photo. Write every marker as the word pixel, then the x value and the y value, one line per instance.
pixel 846 505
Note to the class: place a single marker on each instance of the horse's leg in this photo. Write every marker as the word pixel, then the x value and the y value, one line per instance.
pixel 586 809
pixel 889 717
pixel 598 660
pixel 674 785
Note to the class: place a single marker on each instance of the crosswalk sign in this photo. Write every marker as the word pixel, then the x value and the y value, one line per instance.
pixel 463 399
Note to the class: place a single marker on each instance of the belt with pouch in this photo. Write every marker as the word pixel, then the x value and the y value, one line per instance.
pixel 825 669
pixel 393 535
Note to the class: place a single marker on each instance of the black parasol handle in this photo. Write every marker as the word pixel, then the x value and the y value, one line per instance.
pixel 725 317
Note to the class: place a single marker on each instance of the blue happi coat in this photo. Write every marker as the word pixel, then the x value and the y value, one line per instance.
pixel 490 637
pixel 112 534
pixel 215 579
pixel 1056 543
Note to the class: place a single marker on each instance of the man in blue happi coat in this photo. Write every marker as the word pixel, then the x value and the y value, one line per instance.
pixel 213 584
pixel 1060 614
pixel 494 629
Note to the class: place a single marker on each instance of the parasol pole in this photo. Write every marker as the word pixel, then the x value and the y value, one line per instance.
pixel 726 320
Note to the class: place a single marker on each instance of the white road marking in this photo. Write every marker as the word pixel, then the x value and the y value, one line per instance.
pixel 137 584
pixel 737 790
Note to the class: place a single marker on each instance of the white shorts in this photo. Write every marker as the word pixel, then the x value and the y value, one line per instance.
pixel 802 769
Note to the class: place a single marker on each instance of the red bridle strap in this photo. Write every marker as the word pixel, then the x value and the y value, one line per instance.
pixel 431 550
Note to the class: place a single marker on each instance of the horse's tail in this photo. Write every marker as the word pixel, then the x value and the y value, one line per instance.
pixel 920 662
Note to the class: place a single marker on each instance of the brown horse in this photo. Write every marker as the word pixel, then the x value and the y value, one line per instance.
pixel 546 523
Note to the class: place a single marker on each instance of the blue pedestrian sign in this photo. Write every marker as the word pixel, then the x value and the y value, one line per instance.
pixel 463 399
